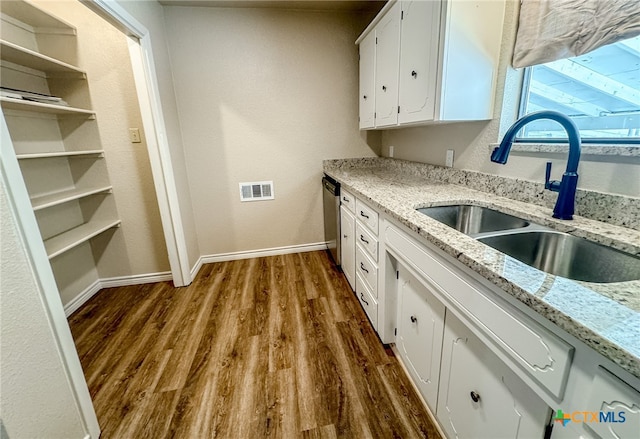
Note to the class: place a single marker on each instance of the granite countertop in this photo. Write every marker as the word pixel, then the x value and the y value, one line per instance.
pixel 606 317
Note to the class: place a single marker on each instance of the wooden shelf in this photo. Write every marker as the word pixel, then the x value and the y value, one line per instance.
pixel 34 60
pixel 61 197
pixel 60 110
pixel 39 20
pixel 72 238
pixel 44 155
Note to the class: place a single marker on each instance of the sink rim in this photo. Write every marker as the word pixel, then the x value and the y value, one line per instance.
pixel 525 223
pixel 532 227
pixel 542 231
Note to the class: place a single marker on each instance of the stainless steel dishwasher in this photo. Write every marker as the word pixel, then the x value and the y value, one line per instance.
pixel 331 202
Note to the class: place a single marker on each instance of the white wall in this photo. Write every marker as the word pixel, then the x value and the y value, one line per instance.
pixel 151 14
pixel 263 95
pixel 37 399
pixel 471 140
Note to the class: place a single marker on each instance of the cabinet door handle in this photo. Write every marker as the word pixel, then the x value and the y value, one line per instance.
pixel 345 199
pixel 362 214
pixel 362 267
pixel 345 236
pixel 364 97
pixel 474 396
pixel 384 88
pixel 414 319
pixel 363 240
pixel 414 73
pixel 362 298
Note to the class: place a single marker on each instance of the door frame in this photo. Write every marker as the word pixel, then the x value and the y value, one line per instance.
pixel 145 78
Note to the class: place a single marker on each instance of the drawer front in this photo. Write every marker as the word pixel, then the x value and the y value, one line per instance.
pixel 368 270
pixel 367 241
pixel 367 216
pixel 368 303
pixel 529 346
pixel 348 200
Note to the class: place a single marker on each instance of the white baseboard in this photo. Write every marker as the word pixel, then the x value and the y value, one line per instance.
pixel 111 282
pixel 137 279
pixel 234 256
pixel 196 268
pixel 82 298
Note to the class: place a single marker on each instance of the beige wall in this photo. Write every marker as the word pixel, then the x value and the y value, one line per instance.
pixel 138 246
pixel 471 140
pixel 37 398
pixel 263 95
pixel 151 15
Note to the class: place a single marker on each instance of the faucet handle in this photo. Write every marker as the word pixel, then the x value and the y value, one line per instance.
pixel 552 185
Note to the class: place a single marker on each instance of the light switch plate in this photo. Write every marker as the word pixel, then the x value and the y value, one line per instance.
pixel 134 135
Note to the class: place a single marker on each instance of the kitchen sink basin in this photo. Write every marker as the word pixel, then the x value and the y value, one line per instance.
pixel 567 256
pixel 473 220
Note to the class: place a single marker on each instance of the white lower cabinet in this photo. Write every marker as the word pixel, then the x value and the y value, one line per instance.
pixel 617 406
pixel 348 245
pixel 369 304
pixel 480 397
pixel 419 338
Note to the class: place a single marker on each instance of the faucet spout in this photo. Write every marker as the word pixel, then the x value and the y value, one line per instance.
pixel 565 205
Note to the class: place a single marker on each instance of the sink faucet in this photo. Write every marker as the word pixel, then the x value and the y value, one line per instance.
pixel 565 205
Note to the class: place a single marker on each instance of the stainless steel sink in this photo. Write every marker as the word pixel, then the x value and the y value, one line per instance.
pixel 473 220
pixel 567 256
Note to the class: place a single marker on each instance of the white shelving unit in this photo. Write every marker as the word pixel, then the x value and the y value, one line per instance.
pixel 68 185
pixel 38 107
pixel 44 155
pixel 34 60
pixel 36 20
pixel 72 238
pixel 57 198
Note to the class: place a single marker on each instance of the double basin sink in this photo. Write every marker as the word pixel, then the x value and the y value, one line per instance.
pixel 548 250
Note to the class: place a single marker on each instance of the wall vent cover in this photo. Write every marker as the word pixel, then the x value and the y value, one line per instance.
pixel 256 191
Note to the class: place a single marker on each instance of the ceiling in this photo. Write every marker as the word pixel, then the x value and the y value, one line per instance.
pixel 318 5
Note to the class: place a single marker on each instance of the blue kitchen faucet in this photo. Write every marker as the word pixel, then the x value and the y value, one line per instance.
pixel 565 205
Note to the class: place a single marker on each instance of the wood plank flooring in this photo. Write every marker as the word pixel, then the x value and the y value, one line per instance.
pixel 274 347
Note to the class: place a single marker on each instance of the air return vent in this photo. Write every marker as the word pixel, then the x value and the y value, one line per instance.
pixel 256 191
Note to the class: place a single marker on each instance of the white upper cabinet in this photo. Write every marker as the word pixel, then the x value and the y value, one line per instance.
pixel 367 81
pixel 387 33
pixel 418 60
pixel 435 61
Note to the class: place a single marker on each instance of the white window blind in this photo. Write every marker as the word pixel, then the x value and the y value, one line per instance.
pixel 549 30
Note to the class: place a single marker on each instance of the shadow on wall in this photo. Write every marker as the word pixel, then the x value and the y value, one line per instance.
pixel 374 140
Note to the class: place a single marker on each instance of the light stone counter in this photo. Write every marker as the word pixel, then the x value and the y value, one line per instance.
pixel 606 317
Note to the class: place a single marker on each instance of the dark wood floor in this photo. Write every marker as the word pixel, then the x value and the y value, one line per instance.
pixel 271 347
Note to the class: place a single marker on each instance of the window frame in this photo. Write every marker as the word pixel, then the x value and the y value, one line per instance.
pixel 524 93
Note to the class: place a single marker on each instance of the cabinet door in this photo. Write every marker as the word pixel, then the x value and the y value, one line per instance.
pixel 367 81
pixel 348 242
pixel 617 405
pixel 387 58
pixel 480 397
pixel 420 328
pixel 420 30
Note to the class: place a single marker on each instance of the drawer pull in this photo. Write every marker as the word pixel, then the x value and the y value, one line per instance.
pixel 345 236
pixel 345 199
pixel 474 396
pixel 362 298
pixel 364 215
pixel 362 267
pixel 414 319
pixel 363 240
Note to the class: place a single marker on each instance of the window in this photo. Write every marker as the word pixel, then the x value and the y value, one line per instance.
pixel 599 90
